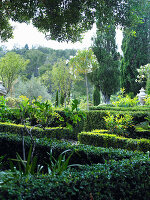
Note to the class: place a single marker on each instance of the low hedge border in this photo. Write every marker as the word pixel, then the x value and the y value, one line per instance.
pixel 53 132
pixel 114 141
pixel 126 179
pixel 119 108
pixel 83 154
pixel 94 119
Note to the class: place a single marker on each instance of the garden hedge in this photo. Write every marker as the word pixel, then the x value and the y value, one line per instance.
pixel 114 180
pixel 54 132
pixel 114 141
pixel 117 108
pixel 83 154
pixel 94 119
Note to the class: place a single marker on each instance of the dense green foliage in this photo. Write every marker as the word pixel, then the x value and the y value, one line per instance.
pixel 106 76
pixel 10 66
pixel 127 179
pixel 114 141
pixel 136 51
pixel 53 132
pixel 109 170
pixel 83 154
pixel 66 20
pixel 96 96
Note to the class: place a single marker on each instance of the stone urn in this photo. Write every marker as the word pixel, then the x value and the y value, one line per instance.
pixel 3 91
pixel 142 96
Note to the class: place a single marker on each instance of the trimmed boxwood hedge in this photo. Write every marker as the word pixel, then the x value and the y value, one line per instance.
pixel 111 107
pixel 112 140
pixel 126 179
pixel 53 132
pixel 94 119
pixel 83 154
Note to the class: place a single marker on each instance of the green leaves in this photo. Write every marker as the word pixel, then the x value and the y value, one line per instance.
pixel 118 124
pixel 25 168
pixel 61 164
pixel 10 66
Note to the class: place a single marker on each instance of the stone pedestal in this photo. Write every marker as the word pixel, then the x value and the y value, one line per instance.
pixel 142 96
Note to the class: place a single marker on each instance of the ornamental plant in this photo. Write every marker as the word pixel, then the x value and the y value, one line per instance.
pixel 4 110
pixel 125 100
pixel 119 124
pixel 147 100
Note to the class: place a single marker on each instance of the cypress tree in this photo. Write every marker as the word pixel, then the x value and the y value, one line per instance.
pixel 106 76
pixel 96 96
pixel 57 100
pixel 62 98
pixel 136 52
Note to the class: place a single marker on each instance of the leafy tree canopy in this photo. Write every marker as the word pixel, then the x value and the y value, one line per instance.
pixel 65 20
pixel 10 66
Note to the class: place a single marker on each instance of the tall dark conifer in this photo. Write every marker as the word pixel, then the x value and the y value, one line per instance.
pixel 136 52
pixel 106 76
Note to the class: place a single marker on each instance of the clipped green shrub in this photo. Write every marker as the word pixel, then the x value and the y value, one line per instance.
pixel 95 119
pixel 111 140
pixel 51 132
pixel 83 154
pixel 126 179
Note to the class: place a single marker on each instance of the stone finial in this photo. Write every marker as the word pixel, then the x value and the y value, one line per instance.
pixel 142 96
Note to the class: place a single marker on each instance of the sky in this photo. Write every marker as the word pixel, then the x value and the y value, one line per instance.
pixel 27 34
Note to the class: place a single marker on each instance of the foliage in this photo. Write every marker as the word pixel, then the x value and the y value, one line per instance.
pixel 117 177
pixel 83 63
pixel 148 86
pixel 12 101
pixel 106 76
pixel 59 165
pixel 10 66
pixel 31 88
pixel 73 115
pixel 4 110
pixel 144 72
pixel 84 154
pixel 96 96
pixel 26 168
pixel 37 59
pixel 62 78
pixel 62 22
pixel 131 61
pixel 125 100
pixel 112 140
pixel 119 124
pixel 57 99
pixel 44 113
pixel 147 100
pixel 1 161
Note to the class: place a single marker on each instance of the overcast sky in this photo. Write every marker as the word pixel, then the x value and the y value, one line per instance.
pixel 27 34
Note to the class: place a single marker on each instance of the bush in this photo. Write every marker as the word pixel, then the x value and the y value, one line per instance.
pixel 83 154
pixel 121 125
pixel 125 100
pixel 31 88
pixel 126 179
pixel 95 119
pixel 114 141
pixel 52 132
